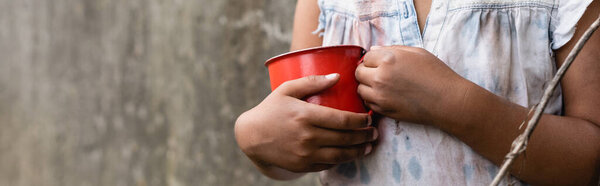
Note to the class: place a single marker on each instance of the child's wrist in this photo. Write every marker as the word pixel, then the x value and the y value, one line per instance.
pixel 452 108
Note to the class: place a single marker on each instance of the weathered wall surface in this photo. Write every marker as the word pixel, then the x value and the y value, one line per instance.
pixel 133 92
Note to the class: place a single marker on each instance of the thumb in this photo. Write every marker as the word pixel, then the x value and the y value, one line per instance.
pixel 300 88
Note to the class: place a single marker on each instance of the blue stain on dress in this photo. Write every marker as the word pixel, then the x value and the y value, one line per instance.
pixel 492 171
pixel 396 171
pixel 348 170
pixel 407 143
pixel 395 145
pixel 471 27
pixel 542 23
pixel 364 174
pixel 468 171
pixel 415 169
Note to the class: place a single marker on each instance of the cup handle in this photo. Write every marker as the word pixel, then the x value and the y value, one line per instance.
pixel 362 58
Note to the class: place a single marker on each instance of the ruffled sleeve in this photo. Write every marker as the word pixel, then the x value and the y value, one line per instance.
pixel 338 23
pixel 359 22
pixel 564 21
pixel 322 21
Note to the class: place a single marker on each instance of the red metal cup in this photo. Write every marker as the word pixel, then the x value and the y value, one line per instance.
pixel 322 61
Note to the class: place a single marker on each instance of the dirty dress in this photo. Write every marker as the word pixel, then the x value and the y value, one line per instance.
pixel 504 46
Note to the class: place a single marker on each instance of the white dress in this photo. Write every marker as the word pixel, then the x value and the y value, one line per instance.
pixel 504 46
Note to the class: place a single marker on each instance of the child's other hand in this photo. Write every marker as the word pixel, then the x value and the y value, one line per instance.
pixel 408 84
pixel 286 132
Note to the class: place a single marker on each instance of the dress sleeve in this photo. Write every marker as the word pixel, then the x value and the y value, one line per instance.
pixel 338 25
pixel 322 20
pixel 564 20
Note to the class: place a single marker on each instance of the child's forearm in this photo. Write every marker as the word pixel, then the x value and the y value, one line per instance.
pixel 562 150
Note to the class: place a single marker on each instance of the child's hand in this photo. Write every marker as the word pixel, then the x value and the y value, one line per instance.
pixel 408 84
pixel 286 132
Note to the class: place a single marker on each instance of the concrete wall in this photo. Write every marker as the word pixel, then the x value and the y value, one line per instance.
pixel 133 92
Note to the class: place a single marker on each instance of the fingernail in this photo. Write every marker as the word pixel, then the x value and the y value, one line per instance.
pixel 369 120
pixel 375 134
pixel 368 149
pixel 332 76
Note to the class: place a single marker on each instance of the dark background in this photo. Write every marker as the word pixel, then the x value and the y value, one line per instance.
pixel 133 92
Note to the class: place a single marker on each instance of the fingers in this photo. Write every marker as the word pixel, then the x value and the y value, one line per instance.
pixel 364 74
pixel 370 98
pixel 366 93
pixel 331 138
pixel 330 118
pixel 300 88
pixel 334 155
pixel 376 57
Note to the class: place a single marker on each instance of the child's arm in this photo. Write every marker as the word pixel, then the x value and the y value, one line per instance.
pixel 410 84
pixel 285 136
pixel 306 20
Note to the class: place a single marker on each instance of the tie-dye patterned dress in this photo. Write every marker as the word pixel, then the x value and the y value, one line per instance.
pixel 504 46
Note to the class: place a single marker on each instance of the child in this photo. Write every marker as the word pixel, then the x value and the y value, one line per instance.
pixel 453 96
